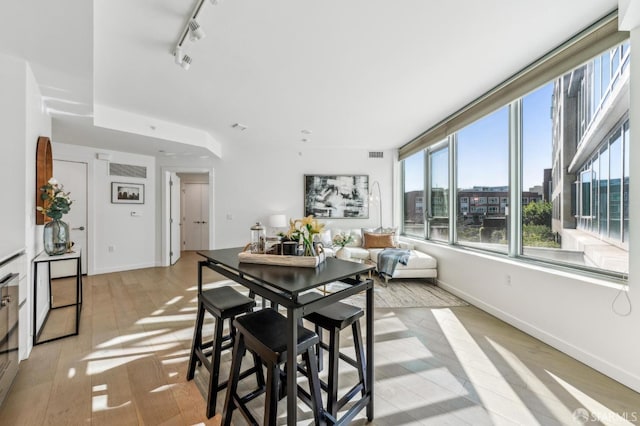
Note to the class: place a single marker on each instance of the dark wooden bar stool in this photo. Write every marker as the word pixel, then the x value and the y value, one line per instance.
pixel 222 303
pixel 335 318
pixel 264 333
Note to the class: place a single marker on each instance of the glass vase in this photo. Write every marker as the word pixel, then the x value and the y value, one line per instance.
pixel 56 237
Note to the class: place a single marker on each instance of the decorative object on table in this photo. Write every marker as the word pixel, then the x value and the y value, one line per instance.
pixel 341 239
pixel 283 260
pixel 273 245
pixel 258 238
pixel 336 196
pixel 56 203
pixel 127 193
pixel 304 230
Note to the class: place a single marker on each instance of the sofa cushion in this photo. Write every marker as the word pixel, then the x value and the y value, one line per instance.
pixel 359 253
pixel 374 240
pixel 417 260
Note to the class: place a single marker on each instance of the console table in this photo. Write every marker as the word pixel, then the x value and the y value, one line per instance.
pixel 283 285
pixel 44 258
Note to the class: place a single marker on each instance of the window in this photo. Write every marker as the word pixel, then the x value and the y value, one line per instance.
pixel 574 171
pixel 585 194
pixel 439 193
pixel 484 142
pixel 413 173
pixel 615 188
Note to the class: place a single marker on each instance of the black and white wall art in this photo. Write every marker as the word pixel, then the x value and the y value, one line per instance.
pixel 336 196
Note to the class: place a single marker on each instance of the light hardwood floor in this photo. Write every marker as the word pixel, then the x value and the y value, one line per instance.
pixel 446 366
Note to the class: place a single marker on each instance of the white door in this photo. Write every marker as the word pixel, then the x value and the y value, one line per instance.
pixel 196 216
pixel 174 219
pixel 73 176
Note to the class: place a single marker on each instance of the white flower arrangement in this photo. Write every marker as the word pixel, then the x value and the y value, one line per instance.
pixel 342 239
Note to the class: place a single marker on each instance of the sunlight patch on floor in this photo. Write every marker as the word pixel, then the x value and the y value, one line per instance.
pixel 505 403
pixel 557 410
pixel 593 410
pixel 174 300
pixel 166 318
pixel 116 341
pixel 101 402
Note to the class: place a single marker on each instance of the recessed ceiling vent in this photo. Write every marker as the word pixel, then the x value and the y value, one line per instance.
pixel 127 170
pixel 376 154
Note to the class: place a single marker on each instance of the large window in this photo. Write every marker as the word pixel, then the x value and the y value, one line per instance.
pixel 483 172
pixel 569 141
pixel 537 160
pixel 414 206
pixel 439 193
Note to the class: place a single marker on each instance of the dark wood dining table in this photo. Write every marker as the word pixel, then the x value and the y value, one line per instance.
pixel 283 286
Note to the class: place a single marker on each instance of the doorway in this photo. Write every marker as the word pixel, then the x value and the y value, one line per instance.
pixel 73 176
pixel 195 211
pixel 203 180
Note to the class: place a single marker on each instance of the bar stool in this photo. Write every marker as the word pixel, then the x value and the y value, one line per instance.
pixel 222 303
pixel 335 318
pixel 264 333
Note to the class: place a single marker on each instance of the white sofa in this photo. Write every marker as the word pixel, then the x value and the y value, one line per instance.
pixel 420 264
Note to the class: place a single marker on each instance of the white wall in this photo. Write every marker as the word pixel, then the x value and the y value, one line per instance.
pixel 133 238
pixel 13 109
pixel 252 185
pixel 23 121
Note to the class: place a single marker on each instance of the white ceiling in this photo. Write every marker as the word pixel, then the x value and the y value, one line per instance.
pixel 369 74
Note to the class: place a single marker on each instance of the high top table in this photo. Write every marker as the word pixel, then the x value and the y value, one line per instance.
pixel 283 285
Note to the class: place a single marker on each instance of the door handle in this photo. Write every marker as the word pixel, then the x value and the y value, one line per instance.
pixel 80 228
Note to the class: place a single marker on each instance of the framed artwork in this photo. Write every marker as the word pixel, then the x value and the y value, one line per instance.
pixel 336 196
pixel 127 193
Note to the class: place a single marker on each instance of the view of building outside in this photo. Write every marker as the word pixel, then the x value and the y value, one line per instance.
pixel 414 203
pixel 574 170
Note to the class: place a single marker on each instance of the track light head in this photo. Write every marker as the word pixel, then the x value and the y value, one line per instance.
pixel 186 62
pixel 178 55
pixel 196 32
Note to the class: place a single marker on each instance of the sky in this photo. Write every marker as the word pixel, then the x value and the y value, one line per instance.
pixel 483 151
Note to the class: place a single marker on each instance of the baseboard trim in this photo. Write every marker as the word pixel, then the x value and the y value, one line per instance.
pixel 123 268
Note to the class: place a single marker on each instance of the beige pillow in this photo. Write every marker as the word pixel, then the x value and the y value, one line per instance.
pixel 375 240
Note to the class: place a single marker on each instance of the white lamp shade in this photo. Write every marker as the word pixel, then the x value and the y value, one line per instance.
pixel 278 221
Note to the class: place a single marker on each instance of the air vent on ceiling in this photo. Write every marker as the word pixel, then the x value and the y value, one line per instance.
pixel 376 154
pixel 127 170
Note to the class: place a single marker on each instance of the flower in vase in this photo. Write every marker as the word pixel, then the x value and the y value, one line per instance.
pixel 304 230
pixel 56 201
pixel 342 239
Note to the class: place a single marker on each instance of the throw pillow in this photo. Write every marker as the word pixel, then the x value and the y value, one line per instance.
pixel 368 231
pixel 374 240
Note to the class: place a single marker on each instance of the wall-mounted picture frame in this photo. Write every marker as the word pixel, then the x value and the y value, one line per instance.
pixel 336 196
pixel 127 193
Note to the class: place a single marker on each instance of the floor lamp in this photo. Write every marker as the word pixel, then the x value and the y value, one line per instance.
pixel 376 197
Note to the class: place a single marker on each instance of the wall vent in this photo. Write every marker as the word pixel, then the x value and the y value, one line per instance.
pixel 376 154
pixel 127 170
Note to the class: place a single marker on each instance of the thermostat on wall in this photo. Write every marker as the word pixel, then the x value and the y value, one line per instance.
pixel 136 214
